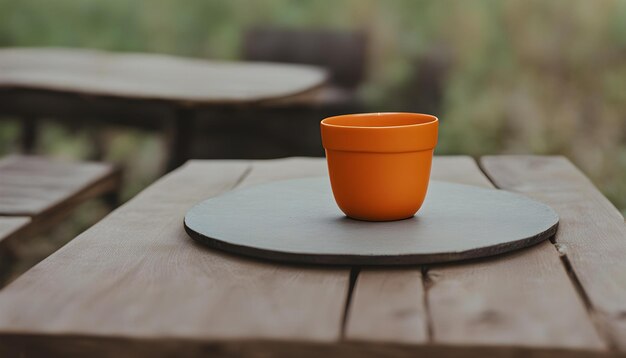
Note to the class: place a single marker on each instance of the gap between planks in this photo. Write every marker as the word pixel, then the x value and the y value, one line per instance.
pixel 567 265
pixel 477 302
pixel 583 295
pixel 354 273
pixel 426 284
pixel 590 238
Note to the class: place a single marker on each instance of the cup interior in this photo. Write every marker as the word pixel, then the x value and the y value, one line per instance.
pixel 379 120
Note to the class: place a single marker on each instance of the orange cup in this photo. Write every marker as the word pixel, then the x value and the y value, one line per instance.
pixel 379 163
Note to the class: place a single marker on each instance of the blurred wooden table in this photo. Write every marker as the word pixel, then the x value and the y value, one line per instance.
pixel 135 284
pixel 144 90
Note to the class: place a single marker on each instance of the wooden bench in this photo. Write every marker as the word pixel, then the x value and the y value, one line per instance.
pixel 36 193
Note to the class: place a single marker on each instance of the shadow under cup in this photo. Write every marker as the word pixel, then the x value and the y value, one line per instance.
pixel 379 163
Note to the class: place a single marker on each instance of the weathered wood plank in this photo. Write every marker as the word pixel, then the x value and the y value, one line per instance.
pixel 592 234
pixel 523 299
pixel 137 275
pixel 283 169
pixel 388 306
pixel 155 77
pixel 40 187
pixel 288 302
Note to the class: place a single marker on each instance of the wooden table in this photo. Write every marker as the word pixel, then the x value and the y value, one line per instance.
pixel 136 284
pixel 145 90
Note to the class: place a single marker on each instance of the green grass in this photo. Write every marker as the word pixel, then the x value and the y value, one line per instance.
pixel 542 77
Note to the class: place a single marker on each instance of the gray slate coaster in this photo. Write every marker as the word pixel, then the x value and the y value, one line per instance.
pixel 298 221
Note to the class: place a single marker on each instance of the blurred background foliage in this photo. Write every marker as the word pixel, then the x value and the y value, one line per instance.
pixel 544 77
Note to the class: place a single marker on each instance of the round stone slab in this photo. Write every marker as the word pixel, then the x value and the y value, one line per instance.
pixel 298 221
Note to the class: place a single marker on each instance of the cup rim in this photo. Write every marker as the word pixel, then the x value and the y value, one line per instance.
pixel 427 119
pixel 396 132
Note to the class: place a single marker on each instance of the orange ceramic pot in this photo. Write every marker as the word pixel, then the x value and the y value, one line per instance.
pixel 379 163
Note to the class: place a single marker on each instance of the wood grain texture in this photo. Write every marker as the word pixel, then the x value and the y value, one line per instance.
pixel 137 275
pixel 40 187
pixel 150 76
pixel 592 235
pixel 282 169
pixel 523 299
pixel 302 302
pixel 387 306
